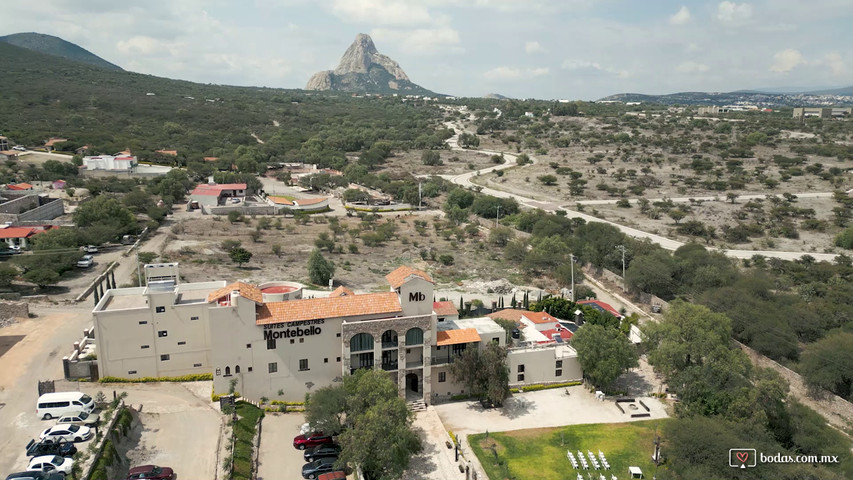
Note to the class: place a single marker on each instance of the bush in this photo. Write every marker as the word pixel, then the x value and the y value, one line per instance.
pixel 539 386
pixel 196 377
pixel 845 238
pixel 446 259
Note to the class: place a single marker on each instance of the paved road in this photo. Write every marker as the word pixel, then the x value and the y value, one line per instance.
pixel 720 198
pixel 667 243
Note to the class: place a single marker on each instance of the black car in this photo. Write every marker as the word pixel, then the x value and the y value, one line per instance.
pixel 35 476
pixel 321 465
pixel 322 451
pixel 63 449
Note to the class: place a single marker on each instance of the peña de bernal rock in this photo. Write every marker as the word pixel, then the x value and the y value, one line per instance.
pixel 363 69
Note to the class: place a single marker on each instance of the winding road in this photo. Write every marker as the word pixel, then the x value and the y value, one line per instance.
pixel 464 180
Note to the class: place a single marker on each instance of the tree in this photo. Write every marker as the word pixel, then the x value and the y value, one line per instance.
pixel 42 277
pixel 548 179
pixel 107 213
pixel 355 195
pixel 240 255
pixel 828 364
pixel 484 372
pixel 275 248
pixel 845 238
pixel 677 215
pixel 732 196
pixel 604 354
pixel 234 216
pixel 468 140
pixel 320 270
pixel 325 408
pixel 500 236
pixel 431 157
pixel 7 274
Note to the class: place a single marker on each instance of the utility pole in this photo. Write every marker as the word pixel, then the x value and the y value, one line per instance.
pixel 622 249
pixel 498 217
pixel 572 258
pixel 419 196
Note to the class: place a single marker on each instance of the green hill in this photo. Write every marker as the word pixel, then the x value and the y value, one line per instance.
pixel 50 45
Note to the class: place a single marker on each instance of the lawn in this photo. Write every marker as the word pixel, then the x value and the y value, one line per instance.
pixel 245 430
pixel 540 454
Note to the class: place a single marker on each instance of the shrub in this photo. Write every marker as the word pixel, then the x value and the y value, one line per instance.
pixel 845 238
pixel 446 259
pixel 196 377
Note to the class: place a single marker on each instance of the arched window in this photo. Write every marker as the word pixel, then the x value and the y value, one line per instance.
pixel 389 339
pixel 227 371
pixel 361 342
pixel 415 336
pixel 237 369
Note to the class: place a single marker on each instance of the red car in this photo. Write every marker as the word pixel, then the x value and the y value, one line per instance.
pixel 152 472
pixel 311 440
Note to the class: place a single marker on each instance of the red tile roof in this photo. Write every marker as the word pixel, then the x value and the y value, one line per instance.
pixel 19 232
pixel 454 337
pixel 402 274
pixel 331 307
pixel 444 308
pixel 246 290
pixel 564 333
pixel 216 190
pixel 211 159
pixel 341 291
pixel 19 186
pixel 601 306
pixel 173 153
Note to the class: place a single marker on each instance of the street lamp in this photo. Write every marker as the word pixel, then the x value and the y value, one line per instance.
pixel 622 249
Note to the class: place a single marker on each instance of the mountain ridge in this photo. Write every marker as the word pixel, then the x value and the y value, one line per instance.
pixel 725 98
pixel 362 69
pixel 55 46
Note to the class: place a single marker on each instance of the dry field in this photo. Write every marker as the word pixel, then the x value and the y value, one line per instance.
pixel 455 163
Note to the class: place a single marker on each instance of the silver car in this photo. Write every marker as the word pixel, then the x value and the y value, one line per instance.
pixel 82 418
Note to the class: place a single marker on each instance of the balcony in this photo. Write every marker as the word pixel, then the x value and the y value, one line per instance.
pixel 443 360
pixel 389 366
pixel 415 363
pixel 391 344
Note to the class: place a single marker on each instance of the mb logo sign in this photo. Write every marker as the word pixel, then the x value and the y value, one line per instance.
pixel 416 297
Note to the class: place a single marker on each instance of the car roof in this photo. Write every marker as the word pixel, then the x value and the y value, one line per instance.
pixel 42 458
pixel 141 469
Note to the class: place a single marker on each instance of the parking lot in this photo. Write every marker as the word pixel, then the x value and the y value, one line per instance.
pixel 278 458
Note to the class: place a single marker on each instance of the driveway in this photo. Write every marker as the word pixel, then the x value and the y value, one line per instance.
pixel 436 461
pixel 277 458
pixel 545 408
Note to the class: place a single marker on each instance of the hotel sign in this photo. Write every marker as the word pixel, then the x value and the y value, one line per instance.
pixel 292 329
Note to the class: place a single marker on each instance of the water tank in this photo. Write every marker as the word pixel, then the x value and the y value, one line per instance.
pixel 280 291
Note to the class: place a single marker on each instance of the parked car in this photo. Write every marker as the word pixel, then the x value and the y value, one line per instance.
pixel 35 476
pixel 311 440
pixel 90 249
pixel 51 463
pixel 86 262
pixel 20 148
pixel 315 468
pixel 66 433
pixel 82 418
pixel 151 471
pixel 322 451
pixel 37 449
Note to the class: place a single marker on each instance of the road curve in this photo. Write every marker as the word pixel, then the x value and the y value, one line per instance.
pixel 464 180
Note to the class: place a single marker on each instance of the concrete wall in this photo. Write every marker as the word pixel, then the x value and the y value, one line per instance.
pixel 49 209
pixel 540 366
pixel 14 310
pixel 18 204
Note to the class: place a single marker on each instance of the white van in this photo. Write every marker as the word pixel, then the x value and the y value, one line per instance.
pixel 54 405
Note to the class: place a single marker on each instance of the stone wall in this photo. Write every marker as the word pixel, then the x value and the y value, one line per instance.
pixel 49 209
pixel 614 278
pixel 9 309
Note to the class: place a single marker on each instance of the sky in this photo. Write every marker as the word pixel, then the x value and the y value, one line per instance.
pixel 546 49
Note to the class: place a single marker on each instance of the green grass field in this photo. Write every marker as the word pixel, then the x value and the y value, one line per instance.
pixel 540 454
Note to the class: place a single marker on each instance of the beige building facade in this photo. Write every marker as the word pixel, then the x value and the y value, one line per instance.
pixel 267 341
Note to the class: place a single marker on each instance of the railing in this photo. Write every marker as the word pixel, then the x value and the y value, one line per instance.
pixel 389 344
pixel 389 366
pixel 415 363
pixel 443 360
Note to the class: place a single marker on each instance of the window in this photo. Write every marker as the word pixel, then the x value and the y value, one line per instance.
pixel 415 336
pixel 303 364
pixel 146 346
pixel 301 340
pixel 496 340
pixel 520 377
pixel 338 359
pixel 559 364
pixel 160 309
pixel 521 369
pixel 325 360
pixel 196 365
pixel 273 367
pixel 237 369
pixel 182 343
pixel 144 322
pixel 165 357
pixel 558 373
pixel 270 344
pixel 250 369
pixel 227 371
pixel 248 345
pixel 131 372
pixel 338 334
pixel 163 333
pixel 442 376
pixel 218 372
pixel 193 318
pixel 361 342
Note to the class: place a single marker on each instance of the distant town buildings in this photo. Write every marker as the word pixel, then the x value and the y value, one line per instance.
pixel 822 112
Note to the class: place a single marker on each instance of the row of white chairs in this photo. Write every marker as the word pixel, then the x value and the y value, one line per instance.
pixel 583 463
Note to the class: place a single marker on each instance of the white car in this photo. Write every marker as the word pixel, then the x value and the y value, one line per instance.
pixel 66 433
pixel 51 463
pixel 82 418
pixel 86 262
pixel 19 148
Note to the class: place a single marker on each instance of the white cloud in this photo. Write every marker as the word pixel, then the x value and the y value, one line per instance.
pixel 140 45
pixel 786 60
pixel 733 13
pixel 680 17
pixel 593 68
pixel 533 47
pixel 835 63
pixel 438 40
pixel 513 73
pixel 692 67
pixel 381 12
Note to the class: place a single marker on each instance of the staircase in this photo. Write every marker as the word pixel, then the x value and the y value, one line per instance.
pixel 416 406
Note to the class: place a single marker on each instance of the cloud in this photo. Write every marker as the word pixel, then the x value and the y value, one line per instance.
pixel 533 47
pixel 513 73
pixel 733 13
pixel 381 12
pixel 438 40
pixel 592 68
pixel 680 17
pixel 140 45
pixel 692 67
pixel 835 63
pixel 786 60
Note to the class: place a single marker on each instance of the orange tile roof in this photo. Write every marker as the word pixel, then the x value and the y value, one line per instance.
pixel 19 186
pixel 17 232
pixel 541 317
pixel 279 200
pixel 330 307
pixel 54 140
pixel 454 337
pixel 341 291
pixel 402 273
pixel 513 314
pixel 211 159
pixel 444 308
pixel 246 290
pixel 173 153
